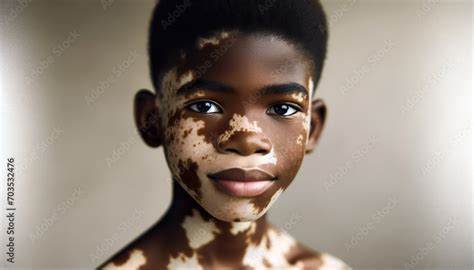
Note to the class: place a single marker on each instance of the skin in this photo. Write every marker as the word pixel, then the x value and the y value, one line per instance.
pixel 234 100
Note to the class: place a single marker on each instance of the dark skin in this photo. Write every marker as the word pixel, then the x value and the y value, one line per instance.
pixel 251 84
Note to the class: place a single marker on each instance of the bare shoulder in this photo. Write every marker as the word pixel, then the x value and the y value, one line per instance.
pixel 132 256
pixel 303 257
pixel 331 262
pixel 307 258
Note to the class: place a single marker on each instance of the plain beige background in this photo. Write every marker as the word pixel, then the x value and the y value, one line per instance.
pixel 389 186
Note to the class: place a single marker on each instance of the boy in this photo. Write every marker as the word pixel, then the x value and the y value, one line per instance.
pixel 233 110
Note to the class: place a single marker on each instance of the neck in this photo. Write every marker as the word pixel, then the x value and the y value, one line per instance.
pixel 213 239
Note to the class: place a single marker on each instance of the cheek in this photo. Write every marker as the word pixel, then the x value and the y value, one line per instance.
pixel 188 153
pixel 290 148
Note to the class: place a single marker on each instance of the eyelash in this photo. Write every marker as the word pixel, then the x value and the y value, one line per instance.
pixel 218 109
pixel 293 106
pixel 195 103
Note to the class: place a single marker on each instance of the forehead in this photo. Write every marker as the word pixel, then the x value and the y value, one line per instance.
pixel 245 60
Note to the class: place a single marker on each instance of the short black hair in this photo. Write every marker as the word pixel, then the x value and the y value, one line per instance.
pixel 176 26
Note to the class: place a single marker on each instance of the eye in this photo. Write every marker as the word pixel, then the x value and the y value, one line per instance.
pixel 283 109
pixel 204 106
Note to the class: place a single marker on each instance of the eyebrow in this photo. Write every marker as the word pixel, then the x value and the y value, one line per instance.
pixel 203 84
pixel 279 89
pixel 285 88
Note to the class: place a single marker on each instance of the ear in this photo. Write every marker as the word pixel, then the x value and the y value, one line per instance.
pixel 147 118
pixel 318 116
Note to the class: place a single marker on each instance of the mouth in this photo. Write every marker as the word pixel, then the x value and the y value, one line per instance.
pixel 243 183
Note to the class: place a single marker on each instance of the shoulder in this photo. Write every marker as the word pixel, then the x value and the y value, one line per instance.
pixel 130 257
pixel 307 258
pixel 303 257
pixel 134 255
pixel 330 262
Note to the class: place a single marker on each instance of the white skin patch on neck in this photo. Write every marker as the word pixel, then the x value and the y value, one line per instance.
pixel 137 259
pixel 255 255
pixel 238 227
pixel 239 123
pixel 198 231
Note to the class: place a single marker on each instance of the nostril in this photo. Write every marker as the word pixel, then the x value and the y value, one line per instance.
pixel 232 150
pixel 247 144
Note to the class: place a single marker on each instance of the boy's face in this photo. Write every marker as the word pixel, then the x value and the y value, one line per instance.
pixel 235 120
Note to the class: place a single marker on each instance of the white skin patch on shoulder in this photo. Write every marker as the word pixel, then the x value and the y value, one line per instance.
pixel 137 259
pixel 239 123
pixel 280 244
pixel 198 231
pixel 330 262
pixel 183 262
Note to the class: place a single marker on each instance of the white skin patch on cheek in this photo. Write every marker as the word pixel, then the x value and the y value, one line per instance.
pixel 299 140
pixel 198 231
pixel 168 106
pixel 181 148
pixel 137 259
pixel 239 123
pixel 169 102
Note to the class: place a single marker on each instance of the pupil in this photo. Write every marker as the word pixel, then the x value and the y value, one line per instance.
pixel 203 106
pixel 281 109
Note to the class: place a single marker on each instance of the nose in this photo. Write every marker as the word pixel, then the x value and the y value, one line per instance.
pixel 246 143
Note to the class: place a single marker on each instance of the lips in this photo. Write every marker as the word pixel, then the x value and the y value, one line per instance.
pixel 243 183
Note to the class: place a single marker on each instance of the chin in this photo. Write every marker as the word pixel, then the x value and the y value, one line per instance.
pixel 235 216
pixel 228 208
pixel 233 209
